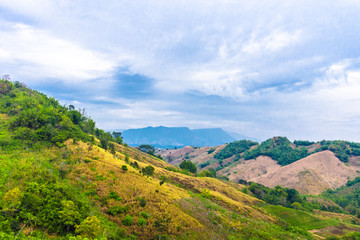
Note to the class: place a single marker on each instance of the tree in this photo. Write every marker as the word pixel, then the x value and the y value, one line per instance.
pixel 147 149
pixel 12 200
pixel 118 138
pixel 69 215
pixel 148 170
pixel 90 227
pixel 188 165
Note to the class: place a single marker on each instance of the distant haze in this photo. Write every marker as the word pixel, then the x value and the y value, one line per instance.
pixel 171 137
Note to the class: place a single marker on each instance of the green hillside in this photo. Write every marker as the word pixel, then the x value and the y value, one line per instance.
pixel 63 178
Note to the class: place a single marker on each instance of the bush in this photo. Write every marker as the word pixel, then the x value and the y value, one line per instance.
pixel 114 195
pixel 116 210
pixel 124 167
pixel 145 215
pixel 188 165
pixel 127 221
pixel 142 201
pixel 141 222
pixel 148 170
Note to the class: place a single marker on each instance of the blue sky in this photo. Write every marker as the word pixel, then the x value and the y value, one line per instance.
pixel 258 68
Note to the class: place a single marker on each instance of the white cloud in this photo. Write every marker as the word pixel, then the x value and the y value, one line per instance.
pixel 275 41
pixel 291 61
pixel 36 53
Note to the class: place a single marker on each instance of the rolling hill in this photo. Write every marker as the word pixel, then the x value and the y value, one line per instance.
pixel 310 169
pixel 63 178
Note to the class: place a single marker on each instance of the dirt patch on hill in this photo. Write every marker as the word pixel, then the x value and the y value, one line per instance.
pixel 311 175
pixel 250 169
pixel 197 155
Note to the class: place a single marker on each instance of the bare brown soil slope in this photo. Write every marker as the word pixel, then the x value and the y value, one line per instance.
pixel 310 175
pixel 250 169
pixel 196 155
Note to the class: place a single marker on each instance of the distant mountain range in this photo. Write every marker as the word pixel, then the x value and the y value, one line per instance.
pixel 171 137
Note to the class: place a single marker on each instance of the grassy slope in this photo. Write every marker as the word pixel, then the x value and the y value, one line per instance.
pixel 184 207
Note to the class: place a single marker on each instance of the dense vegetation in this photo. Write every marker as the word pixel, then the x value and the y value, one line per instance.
pixel 284 151
pixel 348 196
pixel 342 149
pixel 36 118
pixel 279 149
pixel 235 148
pixel 188 165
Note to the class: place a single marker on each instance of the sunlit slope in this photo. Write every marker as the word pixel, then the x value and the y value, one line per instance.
pixel 101 172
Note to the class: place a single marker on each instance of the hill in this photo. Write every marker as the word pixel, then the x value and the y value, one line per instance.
pixel 309 167
pixel 63 178
pixel 176 137
pixel 311 175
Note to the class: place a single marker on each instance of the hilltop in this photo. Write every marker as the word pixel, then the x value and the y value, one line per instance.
pixel 176 137
pixel 63 178
pixel 309 167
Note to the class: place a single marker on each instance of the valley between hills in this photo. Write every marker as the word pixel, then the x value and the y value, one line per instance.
pixel 64 178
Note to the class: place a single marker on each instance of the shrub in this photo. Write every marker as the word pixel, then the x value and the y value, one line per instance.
pixel 127 221
pixel 148 170
pixel 141 222
pixel 188 165
pixel 90 227
pixel 211 150
pixel 142 201
pixel 124 167
pixel 116 210
pixel 114 195
pixel 145 215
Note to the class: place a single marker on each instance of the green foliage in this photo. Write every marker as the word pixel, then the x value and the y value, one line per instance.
pixel 303 143
pixel 234 148
pixel 162 180
pixel 142 201
pixel 142 222
pixel 127 221
pixel 342 149
pixel 117 210
pixel 117 137
pixel 148 170
pixel 208 173
pixel 146 148
pixel 35 117
pixel 162 223
pixel 211 150
pixel 114 195
pixel 188 165
pixel 279 149
pixel 11 200
pixel 277 195
pixel 145 215
pixel 124 167
pixel 347 197
pixel 90 227
pixel 297 218
pixel 353 182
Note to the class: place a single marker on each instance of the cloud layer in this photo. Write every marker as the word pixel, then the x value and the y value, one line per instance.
pixel 259 68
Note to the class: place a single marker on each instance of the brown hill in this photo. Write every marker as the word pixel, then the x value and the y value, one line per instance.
pixel 197 155
pixel 310 175
pixel 250 169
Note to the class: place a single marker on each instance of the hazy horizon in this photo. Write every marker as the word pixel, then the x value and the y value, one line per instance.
pixel 259 68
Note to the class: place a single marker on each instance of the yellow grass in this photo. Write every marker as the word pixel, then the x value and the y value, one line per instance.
pixel 100 172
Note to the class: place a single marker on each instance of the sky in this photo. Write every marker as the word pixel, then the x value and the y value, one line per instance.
pixel 256 68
